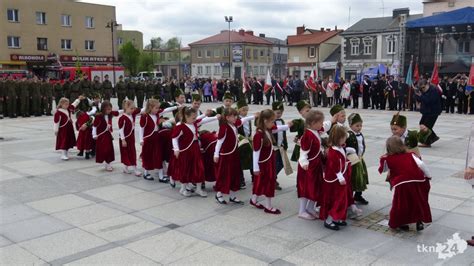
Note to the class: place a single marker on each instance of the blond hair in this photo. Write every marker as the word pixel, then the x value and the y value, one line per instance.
pixel 127 103
pixel 336 135
pixel 62 101
pixel 313 116
pixel 150 104
pixel 395 145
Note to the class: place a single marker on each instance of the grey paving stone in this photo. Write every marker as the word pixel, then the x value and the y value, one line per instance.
pixel 87 214
pixel 61 203
pixel 33 228
pixel 113 192
pixel 113 257
pixel 218 256
pixel 16 255
pixel 17 213
pixel 4 241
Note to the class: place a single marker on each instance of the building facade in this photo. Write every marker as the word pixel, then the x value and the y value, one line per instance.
pixel 435 7
pixel 36 35
pixel 210 57
pixel 174 64
pixel 280 56
pixel 309 47
pixel 133 36
pixel 373 41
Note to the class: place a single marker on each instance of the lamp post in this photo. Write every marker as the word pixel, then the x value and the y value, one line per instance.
pixel 229 20
pixel 112 24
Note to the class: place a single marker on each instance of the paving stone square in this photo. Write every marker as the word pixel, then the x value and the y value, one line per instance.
pixel 76 213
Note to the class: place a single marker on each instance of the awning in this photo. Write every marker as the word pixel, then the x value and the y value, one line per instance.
pixel 16 63
pixel 456 17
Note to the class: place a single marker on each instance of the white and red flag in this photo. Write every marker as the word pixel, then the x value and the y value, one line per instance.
pixel 268 83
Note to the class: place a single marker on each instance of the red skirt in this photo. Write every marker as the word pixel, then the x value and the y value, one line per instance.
pixel 105 148
pixel 128 155
pixel 66 138
pixel 166 146
pixel 264 183
pixel 333 201
pixel 171 167
pixel 208 143
pixel 188 166
pixel 410 204
pixel 85 140
pixel 149 152
pixel 309 183
pixel 228 173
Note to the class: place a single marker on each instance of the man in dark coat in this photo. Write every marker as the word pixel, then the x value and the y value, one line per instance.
pixel 430 109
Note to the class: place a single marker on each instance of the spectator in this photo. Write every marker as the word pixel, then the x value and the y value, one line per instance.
pixel 430 109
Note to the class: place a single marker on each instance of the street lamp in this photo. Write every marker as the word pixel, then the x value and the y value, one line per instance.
pixel 229 20
pixel 112 24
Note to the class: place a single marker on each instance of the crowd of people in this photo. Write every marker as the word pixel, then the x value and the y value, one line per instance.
pixel 329 152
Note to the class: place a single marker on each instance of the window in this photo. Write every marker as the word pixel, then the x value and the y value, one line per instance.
pixel 262 53
pixel 119 41
pixel 464 47
pixel 12 15
pixel 208 53
pixel 66 44
pixel 199 70
pixel 312 51
pixel 255 53
pixel 42 44
pixel 216 53
pixel 217 69
pixel 13 41
pixel 355 46
pixel 66 20
pixel 89 22
pixel 208 70
pixel 247 53
pixel 391 44
pixel 90 45
pixel 262 70
pixel 41 18
pixel 367 45
pixel 226 52
pixel 199 54
pixel 255 70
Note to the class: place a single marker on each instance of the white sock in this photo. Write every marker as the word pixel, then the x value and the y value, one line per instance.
pixel 303 204
pixel 329 219
pixel 107 165
pixel 160 173
pixel 145 172
pixel 232 194
pixel 182 189
pixel 254 198
pixel 219 194
pixel 185 185
pixel 198 187
pixel 65 153
pixel 268 203
pixel 311 207
pixel 165 168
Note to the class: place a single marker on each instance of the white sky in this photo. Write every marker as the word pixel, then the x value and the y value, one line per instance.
pixel 193 20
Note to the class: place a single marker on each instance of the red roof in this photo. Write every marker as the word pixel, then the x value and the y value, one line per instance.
pixel 312 37
pixel 235 37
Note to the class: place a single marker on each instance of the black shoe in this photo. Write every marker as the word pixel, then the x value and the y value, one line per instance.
pixel 172 183
pixel 361 200
pixel 404 228
pixel 277 186
pixel 148 177
pixel 220 200
pixel 341 223
pixel 163 180
pixel 236 201
pixel 203 185
pixel 419 226
pixel 87 156
pixel 81 153
pixel 243 185
pixel 92 153
pixel 331 226
pixel 435 139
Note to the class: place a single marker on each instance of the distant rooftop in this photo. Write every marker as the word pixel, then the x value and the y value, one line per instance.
pixel 240 36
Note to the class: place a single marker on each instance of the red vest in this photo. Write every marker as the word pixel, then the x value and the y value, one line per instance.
pixel 266 151
pixel 231 141
pixel 62 118
pixel 310 142
pixel 146 122
pixel 186 138
pixel 402 167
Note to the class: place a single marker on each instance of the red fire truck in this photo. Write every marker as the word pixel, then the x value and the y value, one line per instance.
pixel 62 73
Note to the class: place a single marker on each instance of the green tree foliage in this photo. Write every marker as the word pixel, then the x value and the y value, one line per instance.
pixel 146 62
pixel 130 57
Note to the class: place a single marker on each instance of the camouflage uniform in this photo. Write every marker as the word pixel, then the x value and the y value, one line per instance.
pixel 47 93
pixel 24 95
pixel 2 99
pixel 58 92
pixel 121 88
pixel 131 88
pixel 107 90
pixel 11 97
pixel 140 94
pixel 35 94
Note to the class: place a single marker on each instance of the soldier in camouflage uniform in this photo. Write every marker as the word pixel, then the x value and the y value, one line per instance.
pixel 66 87
pixel 47 93
pixel 2 97
pixel 24 95
pixel 86 88
pixel 58 92
pixel 11 96
pixel 96 87
pixel 131 88
pixel 107 89
pixel 121 88
pixel 75 90
pixel 140 92
pixel 35 94
pixel 149 89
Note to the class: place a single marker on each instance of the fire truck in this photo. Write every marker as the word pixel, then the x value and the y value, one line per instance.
pixel 63 73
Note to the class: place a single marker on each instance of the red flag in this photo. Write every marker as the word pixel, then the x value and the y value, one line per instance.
pixel 311 81
pixel 416 73
pixel 434 75
pixel 244 83
pixel 268 83
pixel 471 75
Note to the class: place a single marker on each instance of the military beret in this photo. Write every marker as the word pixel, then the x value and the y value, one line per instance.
pixel 354 118
pixel 241 103
pixel 228 95
pixel 197 97
pixel 178 93
pixel 399 120
pixel 302 104
pixel 277 106
pixel 336 109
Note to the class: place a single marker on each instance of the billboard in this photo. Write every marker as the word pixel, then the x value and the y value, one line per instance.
pixel 237 53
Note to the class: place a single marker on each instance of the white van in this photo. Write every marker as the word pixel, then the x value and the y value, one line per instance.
pixel 151 75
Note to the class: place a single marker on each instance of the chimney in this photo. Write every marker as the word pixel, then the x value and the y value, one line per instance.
pixel 250 32
pixel 261 35
pixel 242 32
pixel 328 29
pixel 335 28
pixel 322 29
pixel 400 11
pixel 300 30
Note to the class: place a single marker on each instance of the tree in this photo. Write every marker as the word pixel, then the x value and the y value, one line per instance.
pixel 173 45
pixel 155 42
pixel 130 57
pixel 146 62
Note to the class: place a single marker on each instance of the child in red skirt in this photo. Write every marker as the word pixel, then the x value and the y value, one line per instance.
pixel 310 166
pixel 264 161
pixel 226 156
pixel 409 178
pixel 151 149
pixel 126 124
pixel 187 151
pixel 335 199
pixel 84 121
pixel 63 127
pixel 102 133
